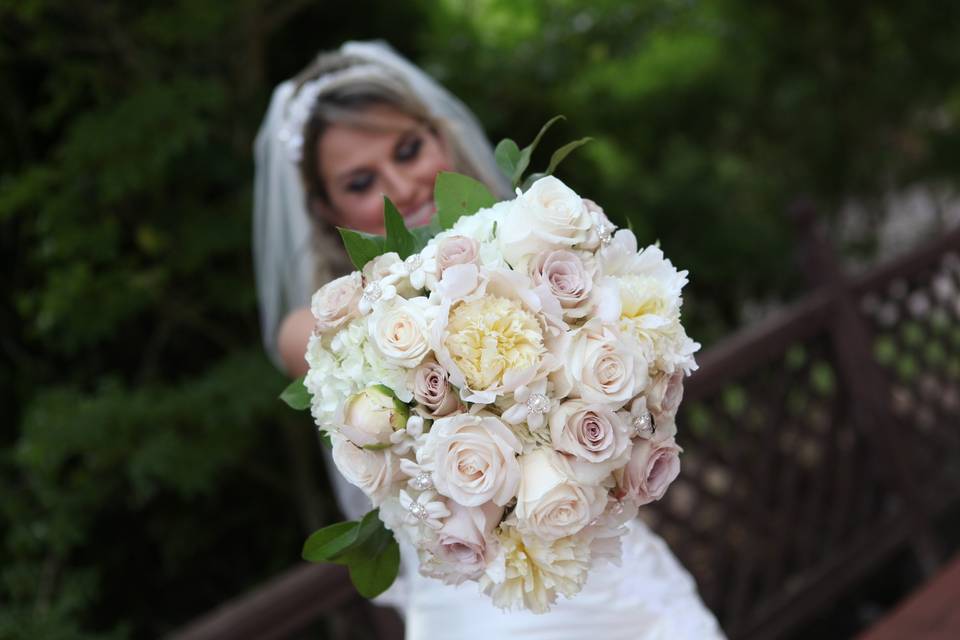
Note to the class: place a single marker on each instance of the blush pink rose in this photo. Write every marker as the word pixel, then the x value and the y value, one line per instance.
pixel 663 398
pixel 434 395
pixel 568 278
pixel 653 466
pixel 464 543
pixel 455 250
pixel 336 302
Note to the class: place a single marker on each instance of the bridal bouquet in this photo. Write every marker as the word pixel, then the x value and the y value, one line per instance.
pixel 503 386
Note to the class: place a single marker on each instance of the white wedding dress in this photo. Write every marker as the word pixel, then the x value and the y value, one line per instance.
pixel 650 596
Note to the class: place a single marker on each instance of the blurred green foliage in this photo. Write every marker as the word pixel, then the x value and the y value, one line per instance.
pixel 145 463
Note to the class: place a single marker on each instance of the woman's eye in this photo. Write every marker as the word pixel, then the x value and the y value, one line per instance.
pixel 360 183
pixel 408 149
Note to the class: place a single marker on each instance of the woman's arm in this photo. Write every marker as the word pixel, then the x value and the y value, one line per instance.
pixel 292 341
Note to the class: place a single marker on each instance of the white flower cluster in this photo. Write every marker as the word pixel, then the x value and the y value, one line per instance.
pixel 507 396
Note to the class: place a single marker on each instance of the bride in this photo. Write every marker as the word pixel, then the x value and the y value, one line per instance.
pixel 357 124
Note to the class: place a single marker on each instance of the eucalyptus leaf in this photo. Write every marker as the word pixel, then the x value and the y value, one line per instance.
pixel 296 395
pixel 507 155
pixel 362 247
pixel 561 153
pixel 458 195
pixel 399 238
pixel 325 544
pixel 524 161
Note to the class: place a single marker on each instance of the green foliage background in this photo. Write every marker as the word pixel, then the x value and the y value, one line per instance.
pixel 147 471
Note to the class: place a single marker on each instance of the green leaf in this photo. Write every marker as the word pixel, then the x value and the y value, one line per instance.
pixel 296 395
pixel 561 153
pixel 424 234
pixel 325 439
pixel 524 161
pixel 378 568
pixel 457 195
pixel 507 155
pixel 324 545
pixel 399 238
pixel 361 247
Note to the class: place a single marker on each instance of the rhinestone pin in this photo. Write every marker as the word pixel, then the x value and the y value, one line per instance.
pixel 422 481
pixel 413 262
pixel 418 511
pixel 373 292
pixel 605 233
pixel 643 425
pixel 538 403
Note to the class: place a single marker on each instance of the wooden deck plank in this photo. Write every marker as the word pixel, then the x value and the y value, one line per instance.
pixel 930 613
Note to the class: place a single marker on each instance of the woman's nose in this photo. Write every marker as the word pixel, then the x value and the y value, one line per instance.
pixel 400 187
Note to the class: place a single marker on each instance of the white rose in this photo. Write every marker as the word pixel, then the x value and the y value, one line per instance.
pixel 551 504
pixel 590 432
pixel 601 367
pixel 400 331
pixel 473 459
pixel 548 216
pixel 370 417
pixel 464 543
pixel 374 472
pixel 653 466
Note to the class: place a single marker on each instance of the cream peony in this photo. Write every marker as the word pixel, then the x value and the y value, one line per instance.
pixel 473 459
pixel 550 503
pixel 548 216
pixel 336 302
pixel 529 572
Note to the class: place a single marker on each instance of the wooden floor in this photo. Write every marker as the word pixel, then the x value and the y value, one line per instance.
pixel 930 613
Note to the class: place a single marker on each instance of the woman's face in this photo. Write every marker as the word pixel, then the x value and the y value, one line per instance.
pixel 399 159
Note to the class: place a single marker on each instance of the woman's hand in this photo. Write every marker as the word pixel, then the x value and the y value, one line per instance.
pixel 292 341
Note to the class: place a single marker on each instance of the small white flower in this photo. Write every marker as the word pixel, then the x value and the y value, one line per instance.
pixel 532 405
pixel 403 440
pixel 424 509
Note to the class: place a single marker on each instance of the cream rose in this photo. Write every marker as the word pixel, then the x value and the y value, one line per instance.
pixel 335 303
pixel 400 331
pixel 548 216
pixel 433 393
pixel 464 543
pixel 568 279
pixel 370 417
pixel 653 466
pixel 374 472
pixel 590 432
pixel 550 503
pixel 473 459
pixel 601 367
